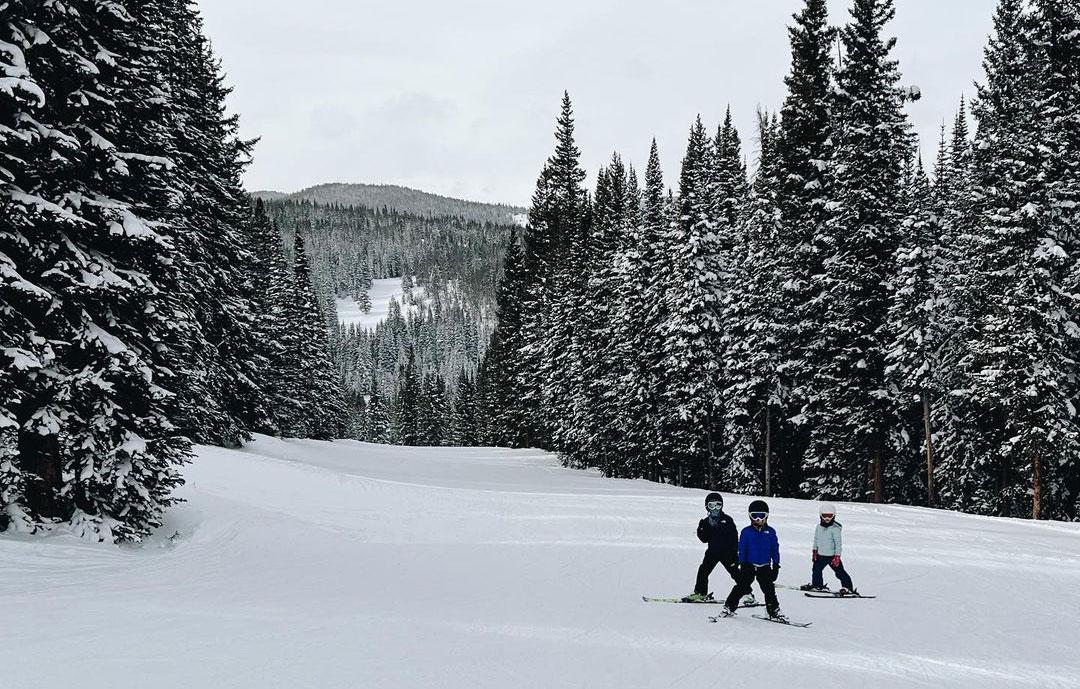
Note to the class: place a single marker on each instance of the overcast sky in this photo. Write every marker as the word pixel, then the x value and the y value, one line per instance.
pixel 459 97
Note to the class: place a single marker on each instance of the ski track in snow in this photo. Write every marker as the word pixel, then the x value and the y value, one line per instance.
pixel 341 565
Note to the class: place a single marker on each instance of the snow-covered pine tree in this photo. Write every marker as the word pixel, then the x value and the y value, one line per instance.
pixel 968 474
pixel 85 253
pixel 556 223
pixel 407 401
pixel 850 411
pixel 272 282
pixel 434 420
pixel 805 150
pixel 730 179
pixel 464 417
pixel 599 366
pixel 654 274
pixel 633 382
pixel 221 397
pixel 692 330
pixel 1053 467
pixel 23 353
pixel 911 351
pixel 751 317
pixel 730 197
pixel 1013 360
pixel 499 406
pixel 312 378
pixel 377 415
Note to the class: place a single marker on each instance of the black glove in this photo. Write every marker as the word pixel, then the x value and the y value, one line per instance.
pixel 703 531
pixel 775 573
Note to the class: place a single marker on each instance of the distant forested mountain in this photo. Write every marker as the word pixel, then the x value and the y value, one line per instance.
pixel 409 379
pixel 402 199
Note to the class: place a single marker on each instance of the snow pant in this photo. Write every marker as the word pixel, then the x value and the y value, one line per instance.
pixel 708 564
pixel 766 578
pixel 824 561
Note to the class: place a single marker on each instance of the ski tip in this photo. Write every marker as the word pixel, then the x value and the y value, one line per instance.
pixel 789 623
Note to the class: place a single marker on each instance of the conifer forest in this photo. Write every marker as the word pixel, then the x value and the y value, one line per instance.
pixel 825 307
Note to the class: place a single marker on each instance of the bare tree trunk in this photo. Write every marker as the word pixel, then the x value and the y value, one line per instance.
pixel 709 478
pixel 930 497
pixel 768 452
pixel 40 456
pixel 1036 503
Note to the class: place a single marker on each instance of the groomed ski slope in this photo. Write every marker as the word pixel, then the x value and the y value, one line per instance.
pixel 346 565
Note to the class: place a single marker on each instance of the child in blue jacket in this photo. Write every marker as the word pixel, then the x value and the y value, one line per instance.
pixel 759 558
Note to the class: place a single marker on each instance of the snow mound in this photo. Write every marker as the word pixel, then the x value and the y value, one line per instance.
pixel 342 565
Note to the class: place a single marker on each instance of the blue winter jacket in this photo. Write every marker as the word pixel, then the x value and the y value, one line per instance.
pixel 759 547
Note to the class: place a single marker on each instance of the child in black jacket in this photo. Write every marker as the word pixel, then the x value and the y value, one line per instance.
pixel 719 532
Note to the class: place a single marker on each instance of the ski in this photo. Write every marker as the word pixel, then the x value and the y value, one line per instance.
pixel 656 599
pixel 787 622
pixel 663 599
pixel 829 594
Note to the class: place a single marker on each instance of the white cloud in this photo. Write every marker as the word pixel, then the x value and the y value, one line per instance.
pixel 460 98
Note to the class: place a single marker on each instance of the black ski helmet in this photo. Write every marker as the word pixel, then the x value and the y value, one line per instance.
pixel 715 497
pixel 759 506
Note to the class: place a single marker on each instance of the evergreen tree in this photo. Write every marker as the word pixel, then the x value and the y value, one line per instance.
pixel 600 366
pixel 1010 440
pixel 751 317
pixel 313 385
pixel 913 329
pixel 497 376
pixel 650 280
pixel 272 282
pixel 407 402
pixel 1047 451
pixel 84 256
pixel 848 403
pixel 221 396
pixel 556 226
pixel 464 421
pixel 693 330
pixel 805 151
pixel 377 425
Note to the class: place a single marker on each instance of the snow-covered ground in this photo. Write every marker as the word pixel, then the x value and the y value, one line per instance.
pixel 381 292
pixel 345 565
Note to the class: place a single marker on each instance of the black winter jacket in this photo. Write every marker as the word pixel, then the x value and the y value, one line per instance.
pixel 721 535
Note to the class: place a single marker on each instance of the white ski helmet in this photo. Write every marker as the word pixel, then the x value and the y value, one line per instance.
pixel 827 508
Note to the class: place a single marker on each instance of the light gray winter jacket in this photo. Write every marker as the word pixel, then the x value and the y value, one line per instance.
pixel 827 539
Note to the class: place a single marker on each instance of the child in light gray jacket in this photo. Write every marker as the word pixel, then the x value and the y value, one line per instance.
pixel 827 547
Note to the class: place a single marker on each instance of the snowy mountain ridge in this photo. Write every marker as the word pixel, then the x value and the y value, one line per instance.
pixel 341 565
pixel 402 199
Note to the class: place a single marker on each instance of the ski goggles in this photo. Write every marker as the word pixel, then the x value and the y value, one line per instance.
pixel 714 506
pixel 827 516
pixel 759 516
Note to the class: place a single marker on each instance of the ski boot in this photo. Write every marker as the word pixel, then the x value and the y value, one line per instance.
pixel 846 592
pixel 748 600
pixel 697 598
pixel 776 615
pixel 725 611
pixel 819 589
